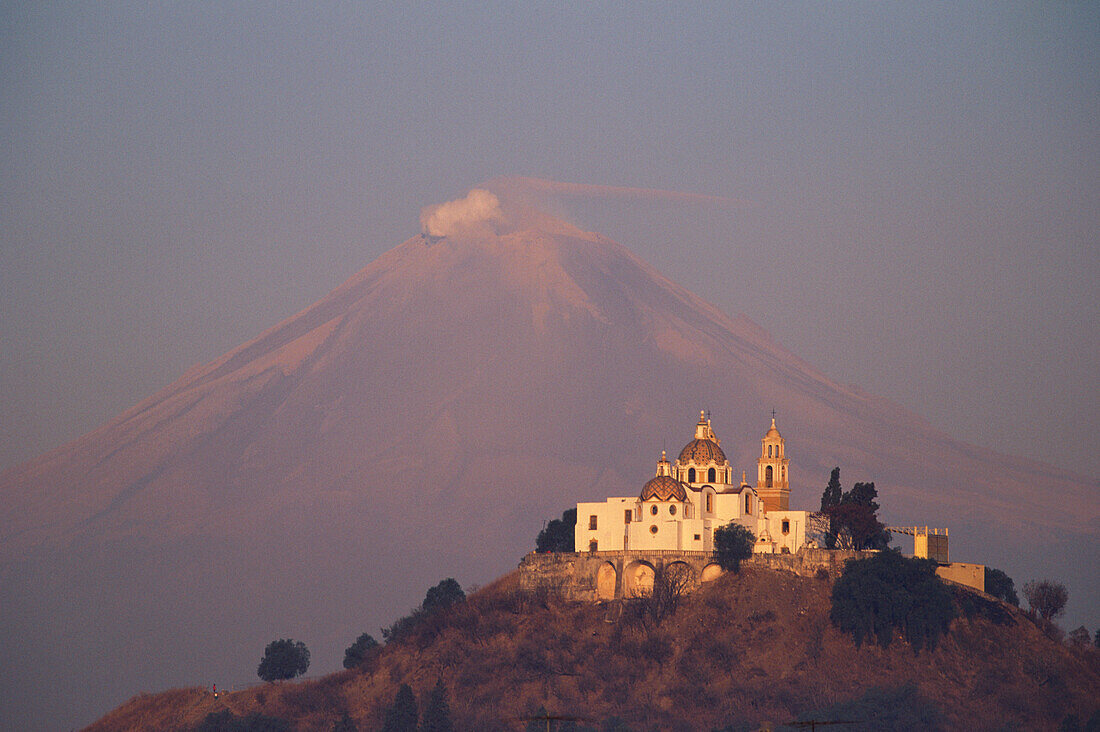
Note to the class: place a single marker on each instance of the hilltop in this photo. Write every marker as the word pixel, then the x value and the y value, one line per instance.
pixel 742 650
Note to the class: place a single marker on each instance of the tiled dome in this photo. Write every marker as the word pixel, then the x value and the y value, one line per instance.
pixel 702 451
pixel 663 488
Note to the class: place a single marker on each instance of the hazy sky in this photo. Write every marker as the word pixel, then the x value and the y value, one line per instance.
pixel 922 183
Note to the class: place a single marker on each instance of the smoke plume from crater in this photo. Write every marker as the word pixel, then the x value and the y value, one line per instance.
pixel 479 209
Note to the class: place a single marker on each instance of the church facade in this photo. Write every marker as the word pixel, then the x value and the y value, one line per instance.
pixel 686 500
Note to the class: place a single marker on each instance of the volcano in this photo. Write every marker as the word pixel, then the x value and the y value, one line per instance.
pixel 422 421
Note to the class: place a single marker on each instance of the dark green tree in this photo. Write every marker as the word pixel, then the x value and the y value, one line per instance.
pixel 283 659
pixel 364 647
pixel 1046 598
pixel 446 593
pixel 402 716
pixel 1079 637
pixel 830 499
pixel 853 521
pixel 437 715
pixel 558 534
pixel 732 544
pixel 886 593
pixel 1001 586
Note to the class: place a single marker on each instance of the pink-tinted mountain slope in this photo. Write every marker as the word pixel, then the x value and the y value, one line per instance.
pixel 421 421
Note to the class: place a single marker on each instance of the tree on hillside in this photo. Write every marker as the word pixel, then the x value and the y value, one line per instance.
pixel 1046 598
pixel 363 648
pixel 446 593
pixel 402 716
pixel 732 544
pixel 558 534
pixel 830 499
pixel 671 582
pixel 437 715
pixel 853 519
pixel 1001 586
pixel 1079 637
pixel 283 659
pixel 877 596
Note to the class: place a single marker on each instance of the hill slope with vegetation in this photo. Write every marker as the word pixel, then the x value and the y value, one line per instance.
pixel 741 651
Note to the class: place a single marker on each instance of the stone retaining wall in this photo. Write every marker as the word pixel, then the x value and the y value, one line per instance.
pixel 577 575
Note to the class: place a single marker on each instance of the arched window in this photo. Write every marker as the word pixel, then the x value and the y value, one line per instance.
pixel 769 450
pixel 691 475
pixel 711 475
pixel 768 476
pixel 748 502
pixel 710 502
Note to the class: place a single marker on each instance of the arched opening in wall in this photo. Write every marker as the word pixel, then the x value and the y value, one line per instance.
pixel 680 574
pixel 711 475
pixel 605 581
pixel 768 476
pixel 769 450
pixel 710 502
pixel 748 502
pixel 691 475
pixel 638 579
pixel 710 572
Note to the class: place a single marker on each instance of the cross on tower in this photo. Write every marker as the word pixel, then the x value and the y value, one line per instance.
pixel 773 414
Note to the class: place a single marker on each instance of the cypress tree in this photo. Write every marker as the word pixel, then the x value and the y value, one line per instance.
pixel 830 499
pixel 401 717
pixel 437 716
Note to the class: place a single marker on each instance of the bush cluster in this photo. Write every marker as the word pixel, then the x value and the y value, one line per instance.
pixel 886 593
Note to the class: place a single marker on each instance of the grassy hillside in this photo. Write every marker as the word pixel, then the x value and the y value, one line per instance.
pixel 743 650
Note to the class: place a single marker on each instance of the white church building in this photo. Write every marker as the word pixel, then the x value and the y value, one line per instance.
pixel 684 503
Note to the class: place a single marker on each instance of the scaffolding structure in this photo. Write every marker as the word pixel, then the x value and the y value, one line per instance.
pixel 928 543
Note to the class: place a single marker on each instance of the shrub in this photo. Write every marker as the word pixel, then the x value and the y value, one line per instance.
pixel 364 647
pixel 283 659
pixel 425 620
pixel 887 592
pixel 1001 586
pixel 442 596
pixel 973 604
pixel 558 536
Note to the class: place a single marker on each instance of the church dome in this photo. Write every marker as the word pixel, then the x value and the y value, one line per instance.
pixel 772 431
pixel 702 451
pixel 663 488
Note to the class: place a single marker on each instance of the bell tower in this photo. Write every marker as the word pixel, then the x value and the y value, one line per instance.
pixel 771 471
